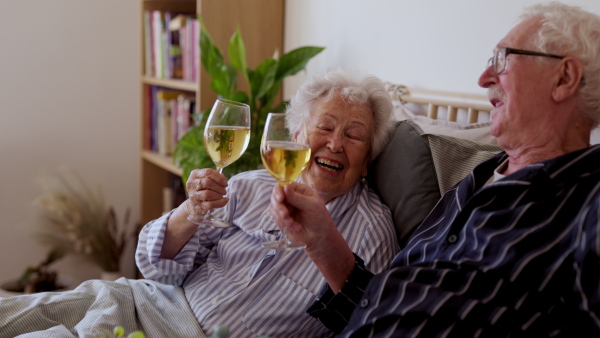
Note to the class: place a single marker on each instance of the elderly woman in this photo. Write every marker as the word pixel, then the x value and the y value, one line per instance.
pixel 228 278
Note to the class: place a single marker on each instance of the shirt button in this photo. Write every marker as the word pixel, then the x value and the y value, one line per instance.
pixel 452 239
pixel 364 303
pixel 248 278
pixel 214 301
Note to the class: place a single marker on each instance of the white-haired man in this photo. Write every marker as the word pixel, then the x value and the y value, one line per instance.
pixel 513 249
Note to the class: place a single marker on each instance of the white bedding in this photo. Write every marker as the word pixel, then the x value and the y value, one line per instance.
pixel 97 305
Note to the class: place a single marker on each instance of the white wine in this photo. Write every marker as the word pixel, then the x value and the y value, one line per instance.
pixel 225 144
pixel 284 160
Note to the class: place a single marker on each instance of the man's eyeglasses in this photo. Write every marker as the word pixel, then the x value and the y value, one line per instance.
pixel 498 61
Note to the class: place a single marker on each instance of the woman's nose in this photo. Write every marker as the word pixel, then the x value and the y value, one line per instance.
pixel 335 143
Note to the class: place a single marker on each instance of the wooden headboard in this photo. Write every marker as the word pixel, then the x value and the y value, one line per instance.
pixel 473 104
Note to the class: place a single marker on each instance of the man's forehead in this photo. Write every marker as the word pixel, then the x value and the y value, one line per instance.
pixel 520 35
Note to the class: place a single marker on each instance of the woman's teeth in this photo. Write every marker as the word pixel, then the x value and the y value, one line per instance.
pixel 329 165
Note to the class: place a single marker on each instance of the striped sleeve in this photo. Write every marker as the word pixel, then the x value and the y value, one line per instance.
pixel 588 264
pixel 166 271
pixel 335 310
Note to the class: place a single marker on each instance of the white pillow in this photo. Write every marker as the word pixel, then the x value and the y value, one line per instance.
pixel 476 132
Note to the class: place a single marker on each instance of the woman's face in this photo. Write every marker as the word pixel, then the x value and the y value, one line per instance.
pixel 340 140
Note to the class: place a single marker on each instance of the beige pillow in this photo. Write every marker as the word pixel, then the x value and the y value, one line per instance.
pixel 454 158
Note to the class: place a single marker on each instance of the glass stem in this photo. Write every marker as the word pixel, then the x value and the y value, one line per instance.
pixel 209 212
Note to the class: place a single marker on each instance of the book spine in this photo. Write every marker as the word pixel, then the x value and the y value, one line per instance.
pixel 149 131
pixel 154 118
pixel 157 31
pixel 196 50
pixel 167 48
pixel 148 44
pixel 184 57
pixel 173 107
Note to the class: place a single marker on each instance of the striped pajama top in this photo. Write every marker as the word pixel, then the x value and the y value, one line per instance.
pixel 519 257
pixel 229 279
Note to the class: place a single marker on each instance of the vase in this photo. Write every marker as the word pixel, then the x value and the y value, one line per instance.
pixel 110 275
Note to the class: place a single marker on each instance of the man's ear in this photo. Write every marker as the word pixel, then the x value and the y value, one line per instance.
pixel 569 80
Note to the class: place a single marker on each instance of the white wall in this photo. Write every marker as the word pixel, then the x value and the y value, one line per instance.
pixel 430 44
pixel 69 94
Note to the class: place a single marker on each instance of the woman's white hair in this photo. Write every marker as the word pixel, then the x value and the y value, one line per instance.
pixel 570 31
pixel 367 90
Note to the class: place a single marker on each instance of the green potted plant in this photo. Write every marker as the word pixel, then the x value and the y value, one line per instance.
pixel 38 278
pixel 264 84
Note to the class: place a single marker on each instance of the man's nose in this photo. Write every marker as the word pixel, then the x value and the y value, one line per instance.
pixel 487 78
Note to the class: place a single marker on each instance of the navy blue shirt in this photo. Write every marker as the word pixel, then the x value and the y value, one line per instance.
pixel 518 257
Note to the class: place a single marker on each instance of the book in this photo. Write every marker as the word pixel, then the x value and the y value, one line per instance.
pixel 157 39
pixel 164 120
pixel 195 49
pixel 148 65
pixel 167 67
pixel 175 26
pixel 185 111
pixel 148 111
pixel 174 107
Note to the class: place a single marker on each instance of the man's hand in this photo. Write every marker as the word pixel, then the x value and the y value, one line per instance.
pixel 298 208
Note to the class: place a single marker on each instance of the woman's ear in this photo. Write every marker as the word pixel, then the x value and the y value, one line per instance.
pixel 365 169
pixel 570 78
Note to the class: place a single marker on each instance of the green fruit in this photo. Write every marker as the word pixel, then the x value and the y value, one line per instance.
pixel 119 331
pixel 136 334
pixel 221 331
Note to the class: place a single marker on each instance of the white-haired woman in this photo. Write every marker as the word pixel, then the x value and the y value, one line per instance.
pixel 228 278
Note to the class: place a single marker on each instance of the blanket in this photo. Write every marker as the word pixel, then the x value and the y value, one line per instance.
pixel 156 309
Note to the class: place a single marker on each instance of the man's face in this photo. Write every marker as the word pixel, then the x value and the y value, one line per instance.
pixel 521 94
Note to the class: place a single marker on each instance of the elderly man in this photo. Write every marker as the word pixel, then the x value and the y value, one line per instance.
pixel 513 249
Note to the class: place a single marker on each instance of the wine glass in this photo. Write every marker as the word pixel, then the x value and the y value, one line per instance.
pixel 226 137
pixel 284 154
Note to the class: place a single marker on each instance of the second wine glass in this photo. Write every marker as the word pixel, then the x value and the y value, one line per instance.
pixel 285 154
pixel 226 137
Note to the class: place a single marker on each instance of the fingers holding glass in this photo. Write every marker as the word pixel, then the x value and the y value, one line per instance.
pixel 285 153
pixel 226 137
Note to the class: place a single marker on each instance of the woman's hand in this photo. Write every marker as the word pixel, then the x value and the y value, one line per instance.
pixel 206 188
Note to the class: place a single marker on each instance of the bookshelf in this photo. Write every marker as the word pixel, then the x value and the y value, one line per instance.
pixel 261 26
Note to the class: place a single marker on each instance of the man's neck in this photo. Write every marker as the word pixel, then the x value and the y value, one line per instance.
pixel 520 158
pixel 546 146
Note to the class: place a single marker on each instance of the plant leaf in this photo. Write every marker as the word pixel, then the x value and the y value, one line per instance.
pixel 237 55
pixel 224 81
pixel 210 56
pixel 240 97
pixel 190 154
pixel 295 61
pixel 263 77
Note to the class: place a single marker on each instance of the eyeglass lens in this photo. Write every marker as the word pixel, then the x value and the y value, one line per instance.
pixel 499 60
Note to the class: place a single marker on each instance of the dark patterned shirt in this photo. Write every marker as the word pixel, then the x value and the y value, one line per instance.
pixel 518 257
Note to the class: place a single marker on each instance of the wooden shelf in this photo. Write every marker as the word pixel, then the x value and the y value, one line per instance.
pixel 170 83
pixel 163 162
